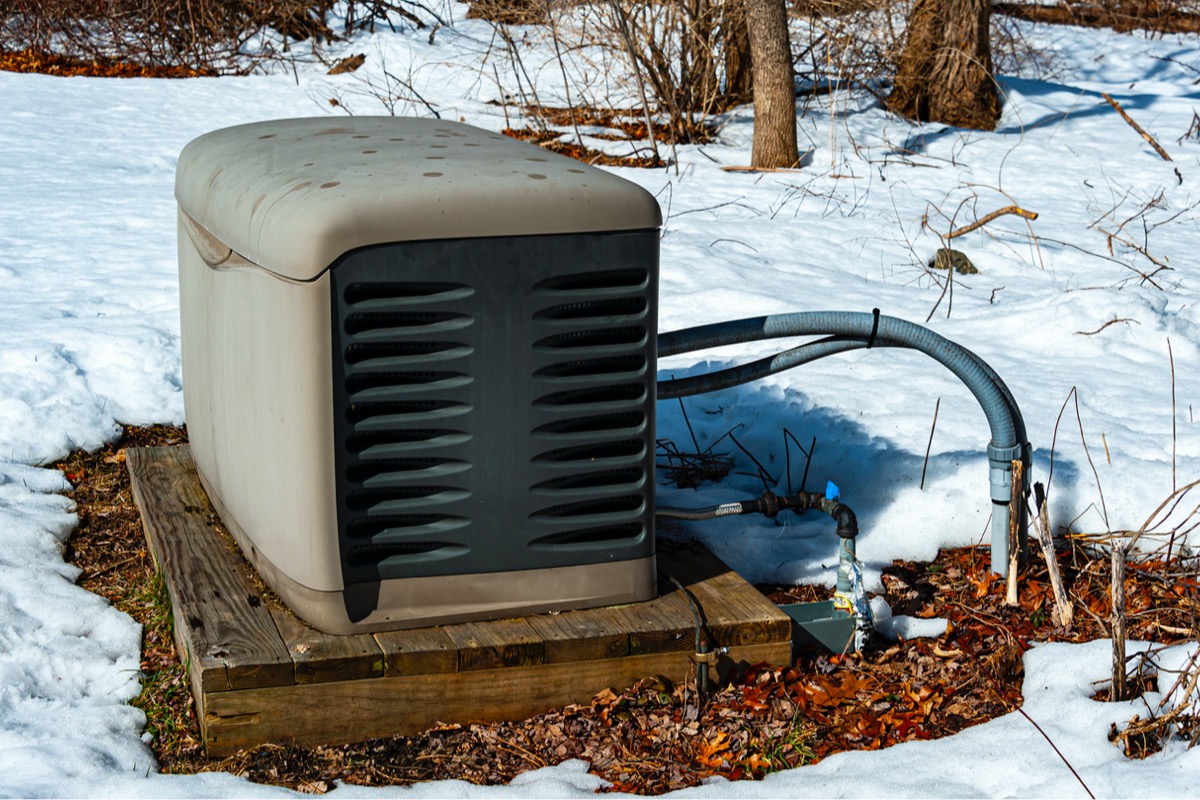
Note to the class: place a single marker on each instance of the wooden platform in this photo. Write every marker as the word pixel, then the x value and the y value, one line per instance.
pixel 260 675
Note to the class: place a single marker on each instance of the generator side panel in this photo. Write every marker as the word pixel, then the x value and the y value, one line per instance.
pixel 257 400
pixel 494 405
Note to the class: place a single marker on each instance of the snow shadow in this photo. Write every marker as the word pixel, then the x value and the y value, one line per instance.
pixel 878 478
pixel 1080 103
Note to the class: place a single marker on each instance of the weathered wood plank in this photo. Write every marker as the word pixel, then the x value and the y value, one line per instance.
pixel 336 713
pixel 736 612
pixel 321 657
pixel 496 643
pixel 224 627
pixel 664 625
pixel 419 651
pixel 587 635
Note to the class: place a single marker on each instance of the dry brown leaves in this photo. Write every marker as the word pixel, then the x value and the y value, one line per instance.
pixel 657 736
pixel 1160 606
pixel 550 139
pixel 31 60
pixel 617 126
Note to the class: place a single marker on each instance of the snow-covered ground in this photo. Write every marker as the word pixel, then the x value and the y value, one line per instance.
pixel 89 339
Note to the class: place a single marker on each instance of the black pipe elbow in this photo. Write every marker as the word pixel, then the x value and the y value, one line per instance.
pixel 847 522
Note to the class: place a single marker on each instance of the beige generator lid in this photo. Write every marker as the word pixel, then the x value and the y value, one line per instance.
pixel 293 195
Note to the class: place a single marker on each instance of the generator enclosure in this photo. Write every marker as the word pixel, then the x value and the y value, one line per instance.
pixel 419 368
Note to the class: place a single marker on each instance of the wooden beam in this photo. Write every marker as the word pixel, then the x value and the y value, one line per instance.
pixel 496 643
pixel 323 658
pixel 333 713
pixel 581 635
pixel 222 624
pixel 734 616
pixel 418 652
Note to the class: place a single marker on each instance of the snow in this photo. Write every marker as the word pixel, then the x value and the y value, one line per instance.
pixel 89 339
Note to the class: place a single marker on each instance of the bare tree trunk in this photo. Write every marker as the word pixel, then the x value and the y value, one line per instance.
pixel 774 85
pixel 945 71
pixel 739 83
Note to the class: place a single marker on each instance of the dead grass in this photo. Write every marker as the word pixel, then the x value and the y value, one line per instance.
pixel 109 547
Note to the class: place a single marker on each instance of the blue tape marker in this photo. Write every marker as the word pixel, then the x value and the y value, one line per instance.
pixel 832 492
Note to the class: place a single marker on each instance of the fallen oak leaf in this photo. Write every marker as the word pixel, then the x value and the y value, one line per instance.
pixel 983 584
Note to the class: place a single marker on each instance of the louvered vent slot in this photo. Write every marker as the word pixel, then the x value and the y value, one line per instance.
pixel 593 424
pixel 365 381
pixel 596 282
pixel 628 448
pixel 358 294
pixel 619 393
pixel 407 410
pixel 604 337
pixel 407 552
pixel 591 508
pixel 397 471
pixel 594 309
pixel 614 534
pixel 357 354
pixel 588 367
pixel 367 500
pixel 380 444
pixel 400 529
pixel 593 480
pixel 367 322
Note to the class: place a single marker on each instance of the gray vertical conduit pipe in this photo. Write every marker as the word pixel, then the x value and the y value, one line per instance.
pixel 845 331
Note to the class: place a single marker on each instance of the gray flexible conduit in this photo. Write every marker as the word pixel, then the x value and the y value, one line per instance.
pixel 846 331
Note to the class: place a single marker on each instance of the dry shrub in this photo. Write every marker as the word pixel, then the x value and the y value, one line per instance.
pixel 688 59
pixel 692 54
pixel 207 36
pixel 510 12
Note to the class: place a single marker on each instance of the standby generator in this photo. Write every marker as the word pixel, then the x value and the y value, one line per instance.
pixel 419 368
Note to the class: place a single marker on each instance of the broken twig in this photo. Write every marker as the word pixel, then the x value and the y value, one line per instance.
pixel 736 168
pixel 1157 147
pixel 1117 692
pixel 986 218
pixel 1062 603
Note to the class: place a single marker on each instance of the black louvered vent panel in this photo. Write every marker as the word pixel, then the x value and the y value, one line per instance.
pixel 405 358
pixel 494 404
